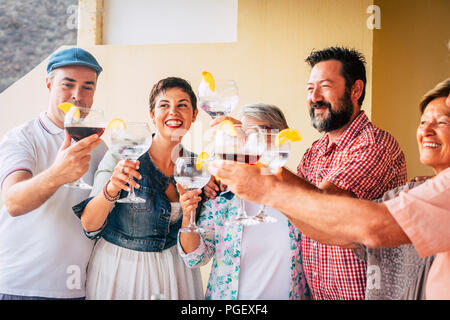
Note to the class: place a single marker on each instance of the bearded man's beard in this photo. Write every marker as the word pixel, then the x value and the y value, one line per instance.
pixel 336 119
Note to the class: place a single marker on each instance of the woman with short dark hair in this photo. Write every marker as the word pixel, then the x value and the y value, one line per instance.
pixel 135 256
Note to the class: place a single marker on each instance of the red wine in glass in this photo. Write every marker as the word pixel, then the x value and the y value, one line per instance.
pixel 79 132
pixel 247 158
pixel 81 122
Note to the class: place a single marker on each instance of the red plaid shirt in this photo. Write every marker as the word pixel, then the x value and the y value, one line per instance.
pixel 368 162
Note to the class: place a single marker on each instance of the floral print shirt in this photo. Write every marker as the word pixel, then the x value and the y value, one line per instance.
pixel 223 243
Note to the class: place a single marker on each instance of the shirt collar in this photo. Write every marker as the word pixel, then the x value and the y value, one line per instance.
pixel 353 130
pixel 48 124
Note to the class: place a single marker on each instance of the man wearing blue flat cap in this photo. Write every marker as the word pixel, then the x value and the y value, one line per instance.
pixel 43 251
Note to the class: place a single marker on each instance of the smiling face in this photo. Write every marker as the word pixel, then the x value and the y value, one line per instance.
pixel 74 84
pixel 173 114
pixel 433 135
pixel 329 101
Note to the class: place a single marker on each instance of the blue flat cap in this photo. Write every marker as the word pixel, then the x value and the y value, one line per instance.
pixel 73 57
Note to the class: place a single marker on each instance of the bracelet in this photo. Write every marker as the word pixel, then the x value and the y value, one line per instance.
pixel 107 196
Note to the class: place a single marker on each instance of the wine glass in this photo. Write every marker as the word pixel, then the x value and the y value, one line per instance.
pixel 246 145
pixel 191 176
pixel 221 101
pixel 130 143
pixel 81 122
pixel 274 157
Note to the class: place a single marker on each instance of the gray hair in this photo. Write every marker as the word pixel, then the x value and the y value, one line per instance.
pixel 442 89
pixel 51 75
pixel 265 113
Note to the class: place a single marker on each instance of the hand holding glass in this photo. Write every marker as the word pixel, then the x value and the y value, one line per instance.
pixel 130 143
pixel 80 123
pixel 274 157
pixel 191 176
pixel 246 146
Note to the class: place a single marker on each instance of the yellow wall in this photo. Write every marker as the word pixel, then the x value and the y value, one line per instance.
pixel 410 56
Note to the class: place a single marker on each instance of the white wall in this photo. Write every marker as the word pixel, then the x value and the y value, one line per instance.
pixel 169 21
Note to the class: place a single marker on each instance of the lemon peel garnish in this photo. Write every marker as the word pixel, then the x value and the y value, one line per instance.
pixel 209 80
pixel 116 124
pixel 199 163
pixel 286 135
pixel 228 127
pixel 67 106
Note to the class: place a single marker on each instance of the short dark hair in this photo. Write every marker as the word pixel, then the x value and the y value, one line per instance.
pixel 169 83
pixel 353 65
pixel 442 89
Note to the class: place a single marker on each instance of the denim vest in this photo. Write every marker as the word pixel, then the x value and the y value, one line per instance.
pixel 142 226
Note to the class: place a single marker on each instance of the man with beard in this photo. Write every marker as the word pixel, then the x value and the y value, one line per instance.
pixel 353 158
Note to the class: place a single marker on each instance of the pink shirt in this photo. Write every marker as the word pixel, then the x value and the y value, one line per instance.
pixel 424 215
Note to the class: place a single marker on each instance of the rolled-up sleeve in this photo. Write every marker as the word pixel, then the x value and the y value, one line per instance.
pixel 104 172
pixel 17 154
pixel 196 258
pixel 78 211
pixel 206 248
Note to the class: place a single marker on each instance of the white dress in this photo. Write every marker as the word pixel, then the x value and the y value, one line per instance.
pixel 117 273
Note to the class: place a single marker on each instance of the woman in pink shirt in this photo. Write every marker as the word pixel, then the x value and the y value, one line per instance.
pixel 424 212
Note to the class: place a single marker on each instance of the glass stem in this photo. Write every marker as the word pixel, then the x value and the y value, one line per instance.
pixel 241 208
pixel 131 193
pixel 192 219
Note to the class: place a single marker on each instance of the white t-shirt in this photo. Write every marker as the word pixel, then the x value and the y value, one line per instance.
pixel 44 252
pixel 265 258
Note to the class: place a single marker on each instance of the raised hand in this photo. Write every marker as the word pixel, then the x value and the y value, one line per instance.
pixel 123 175
pixel 189 201
pixel 213 188
pixel 72 161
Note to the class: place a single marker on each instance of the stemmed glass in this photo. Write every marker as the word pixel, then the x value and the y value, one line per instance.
pixel 130 143
pixel 221 101
pixel 274 157
pixel 81 122
pixel 191 176
pixel 246 145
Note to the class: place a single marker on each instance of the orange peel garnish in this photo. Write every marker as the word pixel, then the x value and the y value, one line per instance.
pixel 286 135
pixel 116 124
pixel 209 80
pixel 67 106
pixel 228 127
pixel 200 160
